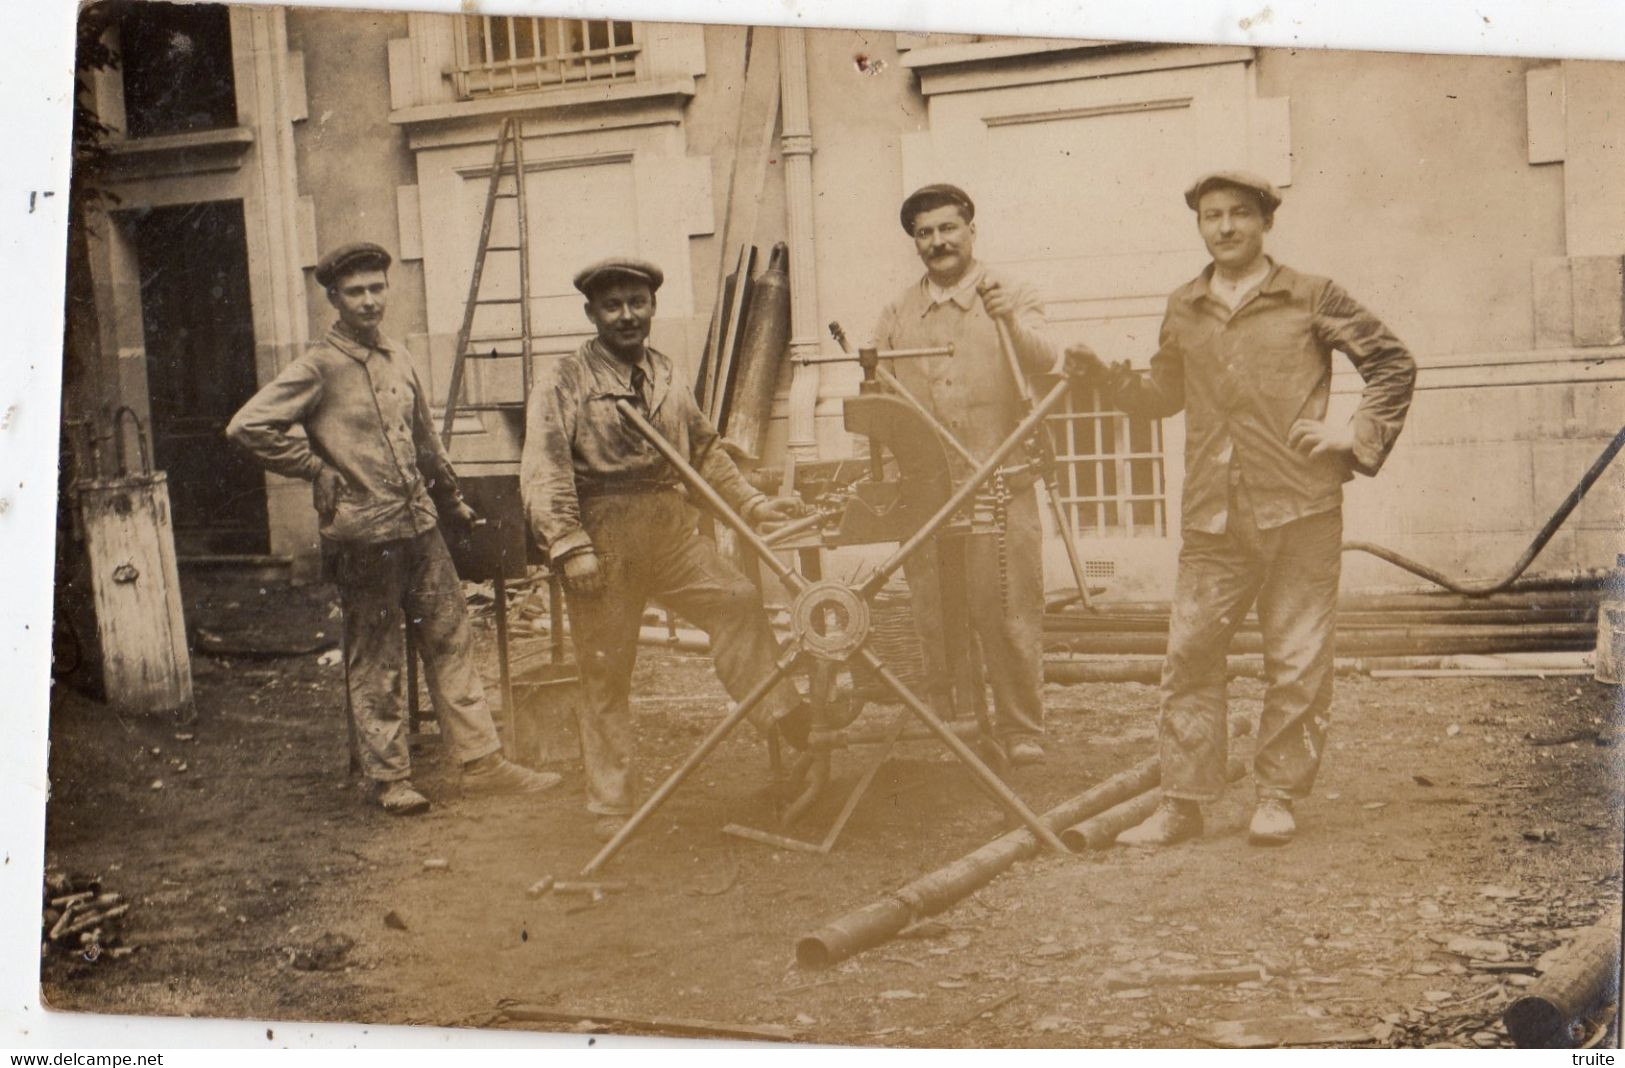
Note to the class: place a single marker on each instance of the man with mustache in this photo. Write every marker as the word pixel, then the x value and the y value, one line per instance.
pixel 380 481
pixel 618 526
pixel 973 393
pixel 1246 352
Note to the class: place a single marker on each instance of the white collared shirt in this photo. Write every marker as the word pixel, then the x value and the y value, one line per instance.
pixel 941 295
pixel 1231 294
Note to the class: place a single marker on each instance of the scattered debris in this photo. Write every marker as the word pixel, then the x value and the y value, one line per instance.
pixel 1479 948
pixel 393 920
pixel 1540 834
pixel 326 954
pixel 1129 980
pixel 80 917
pixel 1273 1032
pixel 436 864
pixel 539 887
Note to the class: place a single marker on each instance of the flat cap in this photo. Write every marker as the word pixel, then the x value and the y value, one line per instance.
pixel 589 278
pixel 361 255
pixel 932 196
pixel 1252 183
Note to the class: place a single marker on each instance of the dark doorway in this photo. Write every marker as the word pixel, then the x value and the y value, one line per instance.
pixel 199 328
pixel 176 62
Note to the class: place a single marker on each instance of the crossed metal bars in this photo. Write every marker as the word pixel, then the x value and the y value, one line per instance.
pixel 829 620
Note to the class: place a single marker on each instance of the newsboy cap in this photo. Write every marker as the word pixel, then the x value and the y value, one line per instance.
pixel 362 255
pixel 590 278
pixel 1252 183
pixel 936 195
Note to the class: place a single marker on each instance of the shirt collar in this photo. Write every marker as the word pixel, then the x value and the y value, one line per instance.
pixel 613 376
pixel 1274 281
pixel 962 294
pixel 358 350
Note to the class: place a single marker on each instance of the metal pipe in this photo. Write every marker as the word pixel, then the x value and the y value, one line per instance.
pixel 1488 586
pixel 966 491
pixel 675 779
pixel 939 890
pixel 696 482
pixel 1581 981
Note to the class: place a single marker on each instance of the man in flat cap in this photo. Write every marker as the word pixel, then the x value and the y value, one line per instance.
pixel 618 526
pixel 959 301
pixel 1246 352
pixel 380 481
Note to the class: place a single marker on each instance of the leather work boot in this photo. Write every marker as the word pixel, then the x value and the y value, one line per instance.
pixel 1175 820
pixel 503 776
pixel 400 798
pixel 1272 824
pixel 1024 751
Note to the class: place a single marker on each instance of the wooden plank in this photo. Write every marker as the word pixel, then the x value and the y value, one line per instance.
pixel 668 1025
pixel 135 587
pixel 728 365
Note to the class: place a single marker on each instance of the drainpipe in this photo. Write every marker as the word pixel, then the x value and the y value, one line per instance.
pixel 796 149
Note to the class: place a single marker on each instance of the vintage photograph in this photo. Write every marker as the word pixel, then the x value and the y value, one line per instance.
pixel 855 537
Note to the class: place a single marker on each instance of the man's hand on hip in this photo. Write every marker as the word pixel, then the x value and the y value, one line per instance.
pixel 327 485
pixel 1316 438
pixel 583 573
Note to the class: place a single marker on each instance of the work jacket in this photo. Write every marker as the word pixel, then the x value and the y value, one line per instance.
pixel 1244 377
pixel 364 414
pixel 577 444
pixel 973 392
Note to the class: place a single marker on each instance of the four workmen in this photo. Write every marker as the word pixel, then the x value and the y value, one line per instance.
pixel 1245 351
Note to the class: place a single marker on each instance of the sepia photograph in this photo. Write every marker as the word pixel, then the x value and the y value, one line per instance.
pixel 870 537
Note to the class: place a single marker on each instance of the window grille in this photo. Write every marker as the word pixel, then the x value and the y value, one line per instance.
pixel 512 54
pixel 1110 468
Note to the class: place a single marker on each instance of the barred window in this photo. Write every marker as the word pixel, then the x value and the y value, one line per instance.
pixel 1111 471
pixel 512 54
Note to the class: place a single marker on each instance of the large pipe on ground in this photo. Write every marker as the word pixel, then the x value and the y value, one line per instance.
pixel 942 889
pixel 1408 641
pixel 761 355
pixel 1553 1012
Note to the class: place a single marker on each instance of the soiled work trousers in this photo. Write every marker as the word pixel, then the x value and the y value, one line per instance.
pixel 1291 572
pixel 649 550
pixel 385 587
pixel 1007 617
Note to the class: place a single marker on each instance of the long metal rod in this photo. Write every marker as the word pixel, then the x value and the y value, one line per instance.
pixel 967 756
pixel 965 492
pixel 1484 588
pixel 1063 528
pixel 695 759
pixel 696 482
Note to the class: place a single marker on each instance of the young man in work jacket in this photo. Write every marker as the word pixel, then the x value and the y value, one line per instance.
pixel 973 393
pixel 618 525
pixel 1246 352
pixel 375 462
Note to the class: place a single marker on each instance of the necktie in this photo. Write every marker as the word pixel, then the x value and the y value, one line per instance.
pixel 639 381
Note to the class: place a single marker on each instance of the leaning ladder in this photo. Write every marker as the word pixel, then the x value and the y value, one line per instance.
pixel 472 346
pixel 507 183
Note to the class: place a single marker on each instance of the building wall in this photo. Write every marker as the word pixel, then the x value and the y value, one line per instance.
pixel 1466 200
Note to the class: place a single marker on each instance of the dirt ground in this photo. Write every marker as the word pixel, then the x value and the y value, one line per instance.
pixel 1443 811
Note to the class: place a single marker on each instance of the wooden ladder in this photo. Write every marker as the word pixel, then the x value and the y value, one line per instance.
pixel 472 346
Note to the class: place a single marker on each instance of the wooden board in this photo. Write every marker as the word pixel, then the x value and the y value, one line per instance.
pixel 137 592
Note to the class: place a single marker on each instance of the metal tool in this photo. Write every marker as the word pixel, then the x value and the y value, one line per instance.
pixel 842 611
pixel 1063 527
